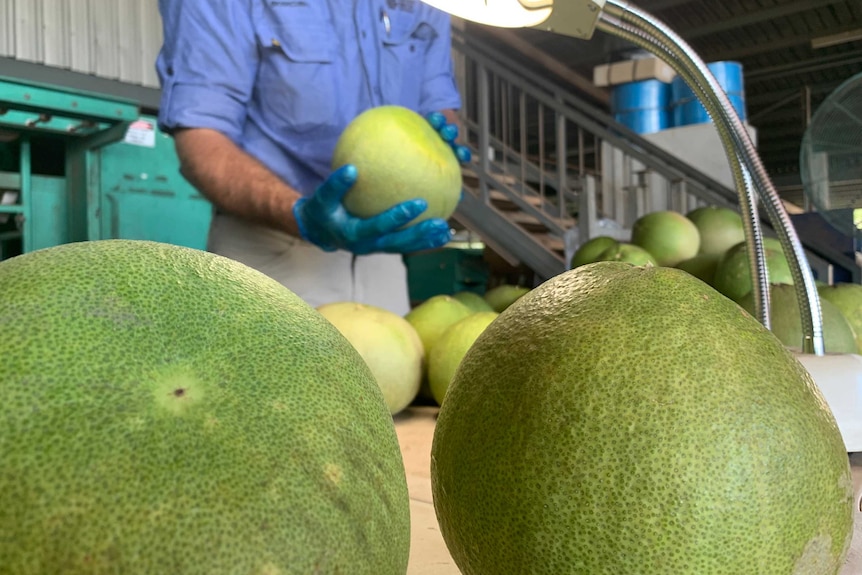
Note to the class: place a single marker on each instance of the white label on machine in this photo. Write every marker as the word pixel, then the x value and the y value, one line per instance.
pixel 7 198
pixel 141 133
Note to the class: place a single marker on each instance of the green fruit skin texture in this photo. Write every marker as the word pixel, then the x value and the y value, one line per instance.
pixel 720 228
pixel 786 324
pixel 631 420
pixel 590 250
pixel 701 266
pixel 398 157
pixel 628 253
pixel 502 296
pixel 278 456
pixel 847 297
pixel 733 278
pixel 668 236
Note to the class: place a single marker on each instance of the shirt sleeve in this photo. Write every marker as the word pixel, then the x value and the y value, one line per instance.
pixel 439 88
pixel 206 65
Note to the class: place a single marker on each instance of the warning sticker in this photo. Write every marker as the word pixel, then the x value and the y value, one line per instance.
pixel 141 133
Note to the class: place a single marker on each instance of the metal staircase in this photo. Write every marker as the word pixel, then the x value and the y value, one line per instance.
pixel 548 166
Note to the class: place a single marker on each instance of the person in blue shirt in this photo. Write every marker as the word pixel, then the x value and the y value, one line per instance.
pixel 256 93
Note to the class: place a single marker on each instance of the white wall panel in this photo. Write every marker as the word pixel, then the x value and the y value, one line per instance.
pixel 7 28
pixel 113 39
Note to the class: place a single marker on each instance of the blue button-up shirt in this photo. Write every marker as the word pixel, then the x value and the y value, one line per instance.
pixel 283 78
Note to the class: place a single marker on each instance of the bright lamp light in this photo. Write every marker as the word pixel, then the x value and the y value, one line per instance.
pixel 570 17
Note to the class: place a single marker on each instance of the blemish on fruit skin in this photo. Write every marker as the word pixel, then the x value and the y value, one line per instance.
pixel 816 557
pixel 333 473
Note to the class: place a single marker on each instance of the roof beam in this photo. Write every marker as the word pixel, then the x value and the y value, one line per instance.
pixel 550 64
pixel 659 5
pixel 804 66
pixel 755 17
pixel 764 47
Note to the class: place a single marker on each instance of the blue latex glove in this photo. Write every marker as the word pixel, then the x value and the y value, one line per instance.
pixel 449 133
pixel 324 221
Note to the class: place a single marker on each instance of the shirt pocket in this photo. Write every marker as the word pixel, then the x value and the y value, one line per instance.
pixel 402 72
pixel 296 77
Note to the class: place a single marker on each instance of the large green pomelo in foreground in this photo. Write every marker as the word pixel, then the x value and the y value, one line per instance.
pixel 623 419
pixel 398 156
pixel 166 410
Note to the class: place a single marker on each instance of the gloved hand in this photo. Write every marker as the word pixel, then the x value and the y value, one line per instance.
pixel 324 221
pixel 449 133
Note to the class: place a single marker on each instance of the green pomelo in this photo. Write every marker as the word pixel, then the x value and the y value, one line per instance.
pixel 167 410
pixel 847 297
pixel 627 253
pixel 473 301
pixel 388 344
pixel 451 348
pixel 590 250
pixel 669 236
pixel 838 336
pixel 430 319
pixel 733 277
pixel 701 266
pixel 632 420
pixel 398 156
pixel 720 228
pixel 502 296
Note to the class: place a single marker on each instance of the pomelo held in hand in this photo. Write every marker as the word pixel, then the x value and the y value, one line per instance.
pixel 167 410
pixel 632 420
pixel 398 156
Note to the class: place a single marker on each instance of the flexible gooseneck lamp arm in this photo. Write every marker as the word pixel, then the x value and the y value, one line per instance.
pixel 580 18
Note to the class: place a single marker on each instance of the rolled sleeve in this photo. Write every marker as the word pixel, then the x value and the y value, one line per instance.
pixel 439 88
pixel 206 65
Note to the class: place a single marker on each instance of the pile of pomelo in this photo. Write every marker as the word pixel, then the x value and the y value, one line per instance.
pixel 415 356
pixel 167 410
pixel 709 243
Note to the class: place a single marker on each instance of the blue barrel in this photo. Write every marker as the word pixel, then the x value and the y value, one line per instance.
pixel 686 109
pixel 642 106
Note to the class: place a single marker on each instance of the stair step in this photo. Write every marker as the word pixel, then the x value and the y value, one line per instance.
pixel 552 243
pixel 472 179
pixel 526 221
pixel 503 201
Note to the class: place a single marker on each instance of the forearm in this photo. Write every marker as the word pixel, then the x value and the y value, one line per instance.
pixel 234 181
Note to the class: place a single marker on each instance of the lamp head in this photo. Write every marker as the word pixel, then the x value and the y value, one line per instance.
pixel 575 18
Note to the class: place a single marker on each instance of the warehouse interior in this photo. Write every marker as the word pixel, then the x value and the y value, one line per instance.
pixel 572 140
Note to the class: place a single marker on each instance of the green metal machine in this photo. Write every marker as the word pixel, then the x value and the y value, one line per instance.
pixel 78 166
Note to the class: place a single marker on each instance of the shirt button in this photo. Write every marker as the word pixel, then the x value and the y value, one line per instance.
pixel 276 43
pixel 364 34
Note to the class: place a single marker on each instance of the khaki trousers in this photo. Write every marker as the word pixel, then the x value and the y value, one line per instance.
pixel 318 277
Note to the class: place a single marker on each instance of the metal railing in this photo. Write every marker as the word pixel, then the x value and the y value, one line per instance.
pixel 560 160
